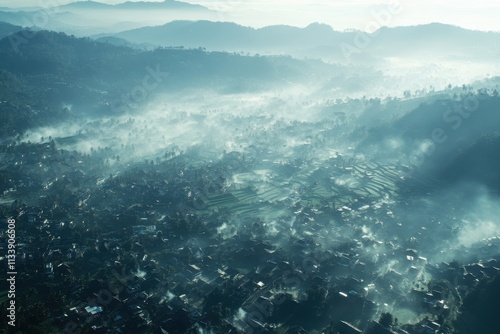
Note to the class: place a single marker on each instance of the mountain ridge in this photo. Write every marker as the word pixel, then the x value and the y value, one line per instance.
pixel 130 5
pixel 230 36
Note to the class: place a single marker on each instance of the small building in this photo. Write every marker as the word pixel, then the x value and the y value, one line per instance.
pixel 93 309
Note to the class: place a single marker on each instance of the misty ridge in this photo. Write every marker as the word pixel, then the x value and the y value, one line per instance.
pixel 338 176
pixel 85 17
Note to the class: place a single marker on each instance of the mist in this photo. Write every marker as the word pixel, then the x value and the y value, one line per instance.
pixel 211 171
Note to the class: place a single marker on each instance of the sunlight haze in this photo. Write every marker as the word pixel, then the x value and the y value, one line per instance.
pixel 341 15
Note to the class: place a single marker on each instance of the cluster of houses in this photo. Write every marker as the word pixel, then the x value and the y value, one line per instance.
pixel 271 247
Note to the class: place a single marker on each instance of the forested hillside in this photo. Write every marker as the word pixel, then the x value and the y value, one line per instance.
pixel 42 75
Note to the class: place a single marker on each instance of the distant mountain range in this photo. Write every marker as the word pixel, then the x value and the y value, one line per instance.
pixel 320 40
pixel 129 5
pixel 85 18
pixel 232 37
pixel 194 26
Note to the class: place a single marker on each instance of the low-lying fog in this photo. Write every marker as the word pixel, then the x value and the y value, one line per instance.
pixel 303 144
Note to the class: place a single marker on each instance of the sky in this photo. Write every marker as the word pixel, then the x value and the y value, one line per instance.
pixel 340 14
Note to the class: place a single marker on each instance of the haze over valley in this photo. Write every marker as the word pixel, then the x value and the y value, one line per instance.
pixel 194 171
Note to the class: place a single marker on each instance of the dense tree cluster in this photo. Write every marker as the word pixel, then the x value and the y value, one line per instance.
pixel 41 75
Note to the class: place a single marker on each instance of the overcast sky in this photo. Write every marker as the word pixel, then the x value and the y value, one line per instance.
pixel 341 14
